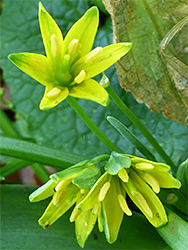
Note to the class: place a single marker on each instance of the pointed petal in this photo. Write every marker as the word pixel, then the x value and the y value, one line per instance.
pixel 159 216
pixel 48 28
pixel 84 30
pixel 158 165
pixel 101 61
pixel 48 101
pixel 92 197
pixel 91 90
pixel 112 213
pixel 84 224
pixel 43 192
pixel 53 212
pixel 35 65
pixel 165 179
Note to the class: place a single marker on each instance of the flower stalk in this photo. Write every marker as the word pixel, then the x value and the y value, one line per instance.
pixel 91 125
pixel 123 107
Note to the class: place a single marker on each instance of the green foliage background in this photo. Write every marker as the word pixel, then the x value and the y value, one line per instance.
pixel 61 129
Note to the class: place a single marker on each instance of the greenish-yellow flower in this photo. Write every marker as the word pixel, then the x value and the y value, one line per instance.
pixel 70 64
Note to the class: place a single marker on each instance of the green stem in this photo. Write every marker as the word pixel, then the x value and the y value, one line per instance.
pixel 41 172
pixel 91 125
pixel 140 126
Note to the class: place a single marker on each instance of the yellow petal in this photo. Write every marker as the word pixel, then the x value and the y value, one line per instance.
pixel 35 65
pixel 146 200
pixel 70 195
pixel 50 99
pixel 43 192
pixel 165 179
pixel 84 30
pixel 49 28
pixel 112 212
pixel 92 197
pixel 90 90
pixel 102 60
pixel 84 224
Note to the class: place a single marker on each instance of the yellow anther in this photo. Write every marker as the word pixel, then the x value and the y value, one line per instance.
pixel 80 77
pixel 93 54
pixel 82 191
pixel 95 210
pixel 143 204
pixel 73 45
pixel 123 175
pixel 152 182
pixel 123 205
pixel 104 191
pixel 75 213
pixel 52 94
pixel 57 198
pixel 55 46
pixel 59 185
pixel 144 166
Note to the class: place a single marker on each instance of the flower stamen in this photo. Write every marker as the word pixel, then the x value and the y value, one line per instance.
pixel 104 191
pixel 55 46
pixel 123 205
pixel 143 204
pixel 59 185
pixel 73 45
pixel 122 173
pixel 95 210
pixel 152 182
pixel 75 213
pixel 52 94
pixel 80 77
pixel 144 166
pixel 93 54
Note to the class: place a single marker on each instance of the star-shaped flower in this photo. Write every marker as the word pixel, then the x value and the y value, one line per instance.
pixel 70 64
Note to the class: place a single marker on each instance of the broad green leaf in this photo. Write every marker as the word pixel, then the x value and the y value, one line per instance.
pixel 60 128
pixel 143 71
pixel 175 232
pixel 17 210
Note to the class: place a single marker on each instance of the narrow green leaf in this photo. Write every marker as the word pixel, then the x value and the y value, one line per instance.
pixel 12 167
pixel 126 133
pixel 36 153
pixel 175 232
pixel 41 172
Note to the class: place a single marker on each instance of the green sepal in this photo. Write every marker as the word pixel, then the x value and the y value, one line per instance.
pixel 43 192
pixel 87 178
pixel 117 162
pixel 69 172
